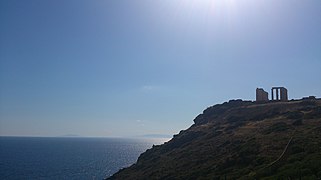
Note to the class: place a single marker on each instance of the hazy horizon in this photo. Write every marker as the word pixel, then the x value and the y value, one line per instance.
pixel 130 68
pixel 142 136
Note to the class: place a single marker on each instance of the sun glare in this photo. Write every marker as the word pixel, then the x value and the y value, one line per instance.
pixel 210 8
pixel 226 4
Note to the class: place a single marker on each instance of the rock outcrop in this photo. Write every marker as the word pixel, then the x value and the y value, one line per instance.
pixel 240 140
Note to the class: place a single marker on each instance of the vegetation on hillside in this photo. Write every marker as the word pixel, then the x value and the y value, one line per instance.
pixel 240 140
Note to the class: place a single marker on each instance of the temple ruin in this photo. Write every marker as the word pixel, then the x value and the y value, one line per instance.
pixel 261 95
pixel 280 92
pixel 277 94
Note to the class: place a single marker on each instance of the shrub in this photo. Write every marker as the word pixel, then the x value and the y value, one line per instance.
pixel 277 127
pixel 295 115
pixel 297 122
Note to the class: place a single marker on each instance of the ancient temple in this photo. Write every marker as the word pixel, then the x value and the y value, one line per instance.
pixel 261 95
pixel 277 94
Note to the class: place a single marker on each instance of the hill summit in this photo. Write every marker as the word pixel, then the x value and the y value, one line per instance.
pixel 240 140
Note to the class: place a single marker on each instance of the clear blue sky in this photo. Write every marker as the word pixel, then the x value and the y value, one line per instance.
pixel 133 67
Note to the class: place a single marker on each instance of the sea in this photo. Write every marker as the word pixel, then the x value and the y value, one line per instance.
pixel 68 157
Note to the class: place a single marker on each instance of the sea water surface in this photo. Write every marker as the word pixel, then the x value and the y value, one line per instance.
pixel 68 158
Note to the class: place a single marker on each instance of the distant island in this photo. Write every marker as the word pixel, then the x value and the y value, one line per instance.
pixel 70 135
pixel 240 140
pixel 156 136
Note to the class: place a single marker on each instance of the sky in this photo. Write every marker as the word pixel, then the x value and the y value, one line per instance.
pixel 125 68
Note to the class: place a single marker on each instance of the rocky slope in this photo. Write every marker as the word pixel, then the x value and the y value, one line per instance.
pixel 240 140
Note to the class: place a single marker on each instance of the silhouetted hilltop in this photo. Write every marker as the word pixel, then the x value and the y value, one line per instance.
pixel 240 140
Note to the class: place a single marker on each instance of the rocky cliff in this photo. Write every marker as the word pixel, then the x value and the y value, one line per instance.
pixel 240 140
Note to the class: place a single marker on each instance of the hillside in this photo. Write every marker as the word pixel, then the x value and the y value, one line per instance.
pixel 240 140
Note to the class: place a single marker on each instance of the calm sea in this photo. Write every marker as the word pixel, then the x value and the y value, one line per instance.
pixel 68 158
